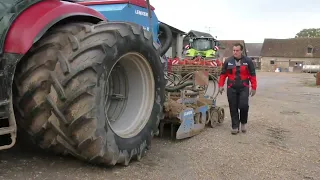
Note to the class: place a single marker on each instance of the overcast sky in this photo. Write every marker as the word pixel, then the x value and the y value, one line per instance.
pixel 249 20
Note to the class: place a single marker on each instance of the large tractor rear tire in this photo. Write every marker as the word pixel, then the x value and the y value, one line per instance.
pixel 95 92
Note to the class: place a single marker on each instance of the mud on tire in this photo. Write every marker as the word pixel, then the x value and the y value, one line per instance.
pixel 71 75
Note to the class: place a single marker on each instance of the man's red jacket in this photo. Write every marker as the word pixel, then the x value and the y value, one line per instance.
pixel 245 73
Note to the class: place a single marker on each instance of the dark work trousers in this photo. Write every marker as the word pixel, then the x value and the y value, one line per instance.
pixel 238 99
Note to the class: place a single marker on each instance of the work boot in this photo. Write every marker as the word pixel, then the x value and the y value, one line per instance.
pixel 235 131
pixel 243 128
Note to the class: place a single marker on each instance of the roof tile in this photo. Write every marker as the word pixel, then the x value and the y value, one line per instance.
pixel 290 48
pixel 253 49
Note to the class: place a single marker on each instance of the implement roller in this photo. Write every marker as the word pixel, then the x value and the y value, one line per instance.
pixel 191 95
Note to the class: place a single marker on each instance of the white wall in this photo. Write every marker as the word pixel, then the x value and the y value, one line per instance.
pixel 176 47
pixel 169 52
pixel 179 45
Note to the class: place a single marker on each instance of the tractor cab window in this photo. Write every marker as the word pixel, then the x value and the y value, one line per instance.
pixel 202 44
pixel 217 43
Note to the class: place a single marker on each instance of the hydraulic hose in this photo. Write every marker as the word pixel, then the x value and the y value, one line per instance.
pixel 215 92
pixel 168 34
pixel 192 94
pixel 181 86
pixel 186 81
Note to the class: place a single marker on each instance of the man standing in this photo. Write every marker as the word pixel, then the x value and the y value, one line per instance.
pixel 239 70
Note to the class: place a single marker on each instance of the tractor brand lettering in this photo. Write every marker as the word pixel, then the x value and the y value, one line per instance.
pixel 145 28
pixel 187 113
pixel 141 13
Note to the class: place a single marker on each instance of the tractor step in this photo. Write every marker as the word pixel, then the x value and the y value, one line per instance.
pixel 8 137
pixel 6 130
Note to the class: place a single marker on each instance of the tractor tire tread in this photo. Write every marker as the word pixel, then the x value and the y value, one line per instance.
pixel 56 93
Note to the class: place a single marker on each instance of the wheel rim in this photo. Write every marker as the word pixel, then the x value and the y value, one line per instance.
pixel 207 117
pixel 221 115
pixel 214 118
pixel 129 95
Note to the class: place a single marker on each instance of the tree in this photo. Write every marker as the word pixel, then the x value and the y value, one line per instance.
pixel 311 32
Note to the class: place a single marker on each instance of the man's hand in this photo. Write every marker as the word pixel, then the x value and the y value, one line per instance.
pixel 252 92
pixel 221 89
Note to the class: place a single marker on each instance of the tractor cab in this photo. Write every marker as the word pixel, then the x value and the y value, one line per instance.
pixel 204 47
pixel 204 44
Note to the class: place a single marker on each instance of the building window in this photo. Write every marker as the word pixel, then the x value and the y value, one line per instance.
pixel 272 62
pixel 310 50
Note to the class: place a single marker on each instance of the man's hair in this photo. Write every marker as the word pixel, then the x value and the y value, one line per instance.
pixel 238 44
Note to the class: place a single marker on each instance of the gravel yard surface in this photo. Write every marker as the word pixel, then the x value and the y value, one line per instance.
pixel 282 142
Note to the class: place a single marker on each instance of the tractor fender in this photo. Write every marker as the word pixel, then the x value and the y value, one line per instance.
pixel 32 23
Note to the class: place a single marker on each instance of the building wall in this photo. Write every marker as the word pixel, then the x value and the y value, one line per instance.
pixel 256 61
pixel 169 53
pixel 285 63
pixel 179 45
pixel 176 46
pixel 223 58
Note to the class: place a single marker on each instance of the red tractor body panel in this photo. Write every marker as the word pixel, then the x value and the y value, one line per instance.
pixel 39 18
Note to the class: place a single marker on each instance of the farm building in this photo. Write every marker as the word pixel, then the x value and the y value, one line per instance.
pixel 226 49
pixel 253 51
pixel 289 54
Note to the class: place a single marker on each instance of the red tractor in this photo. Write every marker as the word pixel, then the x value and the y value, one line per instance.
pixel 77 84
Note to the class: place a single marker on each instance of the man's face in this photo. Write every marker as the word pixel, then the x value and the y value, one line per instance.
pixel 237 51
